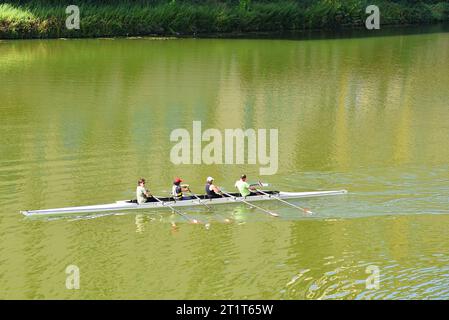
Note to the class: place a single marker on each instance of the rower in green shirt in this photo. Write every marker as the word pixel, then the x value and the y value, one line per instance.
pixel 244 187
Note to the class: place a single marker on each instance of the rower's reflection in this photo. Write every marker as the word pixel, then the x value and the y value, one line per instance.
pixel 240 214
pixel 172 220
pixel 141 221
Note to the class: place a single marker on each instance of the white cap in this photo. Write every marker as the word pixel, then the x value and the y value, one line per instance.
pixel 210 179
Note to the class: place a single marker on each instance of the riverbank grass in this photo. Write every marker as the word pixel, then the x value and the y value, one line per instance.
pixel 46 19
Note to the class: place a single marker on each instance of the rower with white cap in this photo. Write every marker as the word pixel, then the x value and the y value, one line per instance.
pixel 212 190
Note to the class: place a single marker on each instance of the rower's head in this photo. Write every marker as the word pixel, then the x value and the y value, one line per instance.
pixel 177 181
pixel 209 180
pixel 141 182
pixel 243 177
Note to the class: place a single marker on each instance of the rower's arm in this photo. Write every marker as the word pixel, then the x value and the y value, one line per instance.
pixel 216 190
pixel 254 185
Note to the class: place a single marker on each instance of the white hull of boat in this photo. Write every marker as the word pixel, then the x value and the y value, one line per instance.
pixel 127 205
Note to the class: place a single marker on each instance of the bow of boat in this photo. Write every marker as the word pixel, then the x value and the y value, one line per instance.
pixel 309 194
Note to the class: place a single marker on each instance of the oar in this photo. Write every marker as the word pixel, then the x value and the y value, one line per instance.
pixel 177 211
pixel 286 202
pixel 273 214
pixel 199 200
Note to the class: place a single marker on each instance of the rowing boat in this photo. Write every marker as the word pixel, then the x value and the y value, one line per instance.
pixel 170 202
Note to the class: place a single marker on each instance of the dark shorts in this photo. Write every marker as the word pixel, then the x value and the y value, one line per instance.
pixel 184 198
pixel 213 196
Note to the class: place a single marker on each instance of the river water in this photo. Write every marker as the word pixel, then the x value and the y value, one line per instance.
pixel 82 120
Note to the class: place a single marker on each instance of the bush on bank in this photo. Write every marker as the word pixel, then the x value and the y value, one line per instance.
pixel 46 18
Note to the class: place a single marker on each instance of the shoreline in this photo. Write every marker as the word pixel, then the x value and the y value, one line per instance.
pixel 315 34
pixel 38 19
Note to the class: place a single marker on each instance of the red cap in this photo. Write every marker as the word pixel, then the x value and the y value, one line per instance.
pixel 178 180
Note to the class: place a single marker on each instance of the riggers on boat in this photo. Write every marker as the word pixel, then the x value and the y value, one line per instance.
pixel 170 202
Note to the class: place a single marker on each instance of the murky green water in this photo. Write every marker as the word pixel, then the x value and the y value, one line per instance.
pixel 81 120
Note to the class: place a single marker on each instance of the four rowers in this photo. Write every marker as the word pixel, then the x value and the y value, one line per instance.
pixel 212 191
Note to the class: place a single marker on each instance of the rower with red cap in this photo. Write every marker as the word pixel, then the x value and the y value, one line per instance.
pixel 179 188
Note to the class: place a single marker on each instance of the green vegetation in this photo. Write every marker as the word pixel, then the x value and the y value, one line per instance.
pixel 46 18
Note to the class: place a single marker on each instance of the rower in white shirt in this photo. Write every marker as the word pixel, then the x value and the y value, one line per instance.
pixel 142 194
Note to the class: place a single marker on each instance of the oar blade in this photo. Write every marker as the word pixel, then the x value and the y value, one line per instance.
pixel 251 205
